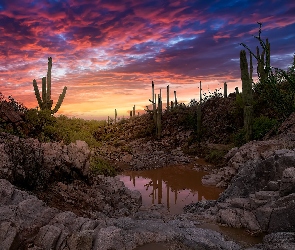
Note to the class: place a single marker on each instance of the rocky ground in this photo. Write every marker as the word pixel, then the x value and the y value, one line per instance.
pixel 51 200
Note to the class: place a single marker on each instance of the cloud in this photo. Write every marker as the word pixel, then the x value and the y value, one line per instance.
pixel 108 52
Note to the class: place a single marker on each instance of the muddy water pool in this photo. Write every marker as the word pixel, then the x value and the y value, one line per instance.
pixel 173 187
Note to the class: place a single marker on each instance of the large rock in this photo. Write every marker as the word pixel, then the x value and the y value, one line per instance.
pixel 33 165
pixel 260 194
pixel 255 175
pixel 279 241
pixel 288 181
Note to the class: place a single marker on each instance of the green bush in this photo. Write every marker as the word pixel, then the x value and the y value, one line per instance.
pixel 275 97
pixel 239 138
pixel 262 125
pixel 101 167
pixel 215 156
pixel 40 124
pixel 72 129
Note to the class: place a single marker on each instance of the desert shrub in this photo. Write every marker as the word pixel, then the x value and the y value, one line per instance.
pixel 40 125
pixel 72 129
pixel 45 127
pixel 215 156
pixel 239 138
pixel 262 125
pixel 101 167
pixel 211 95
pixel 275 97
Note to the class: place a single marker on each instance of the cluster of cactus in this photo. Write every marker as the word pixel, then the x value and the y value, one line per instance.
pixel 45 103
pixel 263 71
pixel 263 59
pixel 132 112
pixel 157 111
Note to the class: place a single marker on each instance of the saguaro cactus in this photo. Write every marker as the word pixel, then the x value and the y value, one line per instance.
pixel 116 116
pixel 175 99
pixel 200 91
pixel 199 115
pixel 167 97
pixel 263 59
pixel 247 94
pixel 157 111
pixel 159 117
pixel 225 90
pixel 45 103
pixel 199 121
pixel 153 101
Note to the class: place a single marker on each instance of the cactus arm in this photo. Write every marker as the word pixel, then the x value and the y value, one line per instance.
pixel 153 91
pixel 49 78
pixel 44 98
pixel 200 91
pixel 37 93
pixel 246 47
pixel 60 100
pixel 167 97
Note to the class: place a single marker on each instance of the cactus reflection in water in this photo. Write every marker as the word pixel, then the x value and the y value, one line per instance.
pixel 174 187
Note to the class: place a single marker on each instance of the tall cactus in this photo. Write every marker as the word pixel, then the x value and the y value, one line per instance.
pixel 167 97
pixel 153 101
pixel 45 103
pixel 199 115
pixel 263 59
pixel 247 93
pixel 199 122
pixel 200 91
pixel 175 99
pixel 159 117
pixel 116 114
pixel 157 111
pixel 225 90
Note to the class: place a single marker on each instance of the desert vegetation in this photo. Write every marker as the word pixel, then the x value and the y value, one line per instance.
pixel 219 118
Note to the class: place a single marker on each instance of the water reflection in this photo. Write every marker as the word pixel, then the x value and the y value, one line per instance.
pixel 174 186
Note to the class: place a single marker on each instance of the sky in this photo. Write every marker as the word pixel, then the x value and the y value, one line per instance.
pixel 108 52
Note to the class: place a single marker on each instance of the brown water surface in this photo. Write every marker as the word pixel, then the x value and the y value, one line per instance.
pixel 174 186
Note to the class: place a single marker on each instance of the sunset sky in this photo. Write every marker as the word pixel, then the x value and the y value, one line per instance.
pixel 107 52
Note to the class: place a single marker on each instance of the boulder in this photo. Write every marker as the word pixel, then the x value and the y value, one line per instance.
pixel 33 165
pixel 288 181
pixel 280 240
pixel 260 195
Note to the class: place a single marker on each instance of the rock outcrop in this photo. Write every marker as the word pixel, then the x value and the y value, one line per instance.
pixel 59 175
pixel 260 181
pixel 28 223
pixel 33 165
